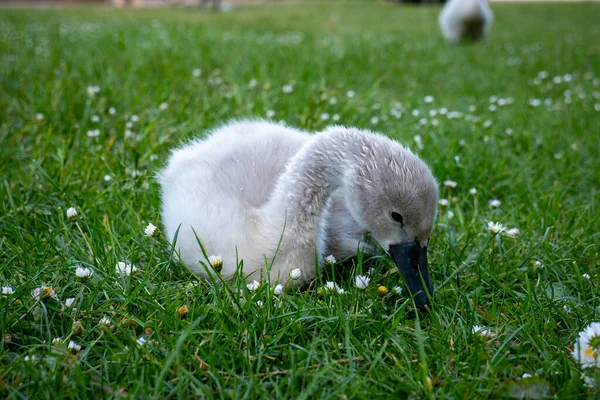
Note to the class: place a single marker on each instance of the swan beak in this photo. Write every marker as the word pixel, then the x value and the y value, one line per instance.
pixel 411 260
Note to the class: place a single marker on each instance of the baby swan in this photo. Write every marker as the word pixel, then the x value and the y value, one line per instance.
pixel 466 20
pixel 271 195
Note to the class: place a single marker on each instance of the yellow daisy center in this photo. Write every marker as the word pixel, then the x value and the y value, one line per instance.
pixel 590 352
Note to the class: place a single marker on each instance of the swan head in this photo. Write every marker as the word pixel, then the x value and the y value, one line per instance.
pixel 393 194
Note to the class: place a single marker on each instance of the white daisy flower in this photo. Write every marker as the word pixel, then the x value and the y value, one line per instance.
pixel 419 141
pixel 496 227
pixel 587 346
pixel 197 72
pixel 125 268
pixel 57 340
pixel 535 102
pixel 69 302
pixel 39 117
pixel 253 285
pixel 526 375
pixel 450 184
pixel 415 112
pixel 487 123
pixel 324 116
pixel 330 260
pixel 74 346
pixel 361 281
pixel 141 341
pixel 287 88
pixel 83 273
pixel 216 262
pixel 586 276
pixel 473 191
pixel 270 114
pixel 43 293
pixel 112 111
pixel 332 101
pixel 150 229
pixel 428 99
pixel 590 382
pixel 482 330
pixel 93 90
pixel 335 117
pixel 350 93
pixel 278 289
pixel 495 203
pixel 77 328
pixel 7 290
pixel 333 287
pixel 163 106
pixel 252 83
pixel 134 118
pixel 396 113
pixel 259 303
pixel 295 274
pixel 443 202
pixel 374 120
pixel 93 133
pixel 513 232
pixel 71 213
pixel 397 290
pixel 105 321
pixel 95 118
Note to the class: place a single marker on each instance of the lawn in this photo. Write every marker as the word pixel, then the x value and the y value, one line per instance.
pixel 93 100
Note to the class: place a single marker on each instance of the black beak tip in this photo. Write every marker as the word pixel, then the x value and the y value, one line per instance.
pixel 422 301
pixel 411 260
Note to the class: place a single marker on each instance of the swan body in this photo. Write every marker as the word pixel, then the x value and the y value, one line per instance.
pixel 272 195
pixel 466 20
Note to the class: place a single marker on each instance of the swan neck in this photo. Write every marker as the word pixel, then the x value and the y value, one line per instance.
pixel 313 174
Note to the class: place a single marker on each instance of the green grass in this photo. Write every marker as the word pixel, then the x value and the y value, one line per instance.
pixel 301 344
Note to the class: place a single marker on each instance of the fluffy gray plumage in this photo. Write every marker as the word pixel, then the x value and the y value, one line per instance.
pixel 250 182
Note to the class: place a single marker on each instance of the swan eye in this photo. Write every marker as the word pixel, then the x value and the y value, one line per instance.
pixel 397 217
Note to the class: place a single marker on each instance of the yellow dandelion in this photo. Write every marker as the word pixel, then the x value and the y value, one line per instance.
pixel 382 290
pixel 182 312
